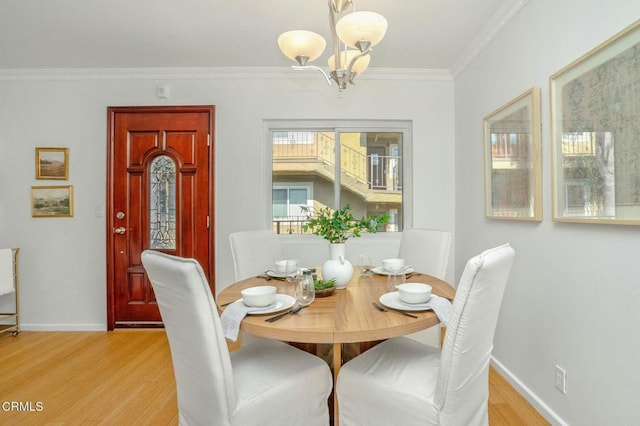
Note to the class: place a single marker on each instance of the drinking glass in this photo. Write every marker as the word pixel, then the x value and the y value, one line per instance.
pixel 292 273
pixel 364 265
pixel 395 276
pixel 305 292
pixel 291 269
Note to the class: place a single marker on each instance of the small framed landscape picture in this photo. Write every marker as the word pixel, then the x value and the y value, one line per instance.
pixel 52 201
pixel 52 163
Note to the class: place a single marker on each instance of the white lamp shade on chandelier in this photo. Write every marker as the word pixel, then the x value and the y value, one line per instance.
pixel 359 31
pixel 301 44
pixel 361 26
pixel 361 64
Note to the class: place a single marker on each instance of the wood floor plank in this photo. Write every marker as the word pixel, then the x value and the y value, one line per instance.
pixel 125 377
pixel 510 404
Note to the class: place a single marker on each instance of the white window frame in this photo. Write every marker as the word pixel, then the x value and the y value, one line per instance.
pixel 343 126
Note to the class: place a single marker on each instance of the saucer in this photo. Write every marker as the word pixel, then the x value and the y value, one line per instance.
pixel 277 275
pixel 392 300
pixel 381 271
pixel 282 302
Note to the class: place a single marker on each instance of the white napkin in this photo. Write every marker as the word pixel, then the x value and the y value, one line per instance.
pixel 441 306
pixel 234 314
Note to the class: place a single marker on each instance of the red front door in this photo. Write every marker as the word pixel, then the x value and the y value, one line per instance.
pixel 160 196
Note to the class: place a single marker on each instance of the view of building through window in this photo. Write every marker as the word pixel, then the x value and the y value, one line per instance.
pixel 332 168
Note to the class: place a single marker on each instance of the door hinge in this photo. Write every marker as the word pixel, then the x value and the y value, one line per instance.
pixel 208 139
pixel 207 222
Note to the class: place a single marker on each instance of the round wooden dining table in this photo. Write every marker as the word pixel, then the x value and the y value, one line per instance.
pixel 346 316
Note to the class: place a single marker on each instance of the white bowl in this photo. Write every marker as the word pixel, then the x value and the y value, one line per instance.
pixel 393 264
pixel 259 296
pixel 414 292
pixel 281 266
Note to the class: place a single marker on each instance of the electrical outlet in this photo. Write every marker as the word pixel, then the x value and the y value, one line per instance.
pixel 561 379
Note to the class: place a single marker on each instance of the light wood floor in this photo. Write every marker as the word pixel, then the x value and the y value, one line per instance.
pixel 125 377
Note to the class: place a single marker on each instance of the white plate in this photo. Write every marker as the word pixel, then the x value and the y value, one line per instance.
pixel 392 300
pixel 282 302
pixel 381 271
pixel 274 274
pixel 282 275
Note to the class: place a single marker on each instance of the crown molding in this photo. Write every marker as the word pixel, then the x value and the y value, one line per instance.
pixel 221 73
pixel 406 74
pixel 507 11
pixel 79 74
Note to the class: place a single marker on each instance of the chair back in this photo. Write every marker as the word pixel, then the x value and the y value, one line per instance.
pixel 201 361
pixel 254 252
pixel 462 390
pixel 427 250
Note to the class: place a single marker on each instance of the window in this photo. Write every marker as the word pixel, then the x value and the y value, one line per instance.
pixel 287 213
pixel 318 165
pixel 162 203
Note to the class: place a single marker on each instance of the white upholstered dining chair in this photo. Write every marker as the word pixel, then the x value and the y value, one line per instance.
pixel 265 382
pixel 427 251
pixel 254 252
pixel 404 382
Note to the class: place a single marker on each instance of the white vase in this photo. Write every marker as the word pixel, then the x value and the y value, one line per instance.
pixel 337 267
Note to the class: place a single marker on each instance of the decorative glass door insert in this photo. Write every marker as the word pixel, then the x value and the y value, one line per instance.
pixel 162 203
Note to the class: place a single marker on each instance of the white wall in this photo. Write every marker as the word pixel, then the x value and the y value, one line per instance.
pixel 574 294
pixel 62 260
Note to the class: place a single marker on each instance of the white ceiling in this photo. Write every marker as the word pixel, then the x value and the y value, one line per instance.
pixel 215 33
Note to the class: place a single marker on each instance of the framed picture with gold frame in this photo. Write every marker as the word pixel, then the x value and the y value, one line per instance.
pixel 512 160
pixel 595 123
pixel 52 201
pixel 52 163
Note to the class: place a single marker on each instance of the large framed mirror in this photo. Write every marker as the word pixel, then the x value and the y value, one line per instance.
pixel 595 120
pixel 512 160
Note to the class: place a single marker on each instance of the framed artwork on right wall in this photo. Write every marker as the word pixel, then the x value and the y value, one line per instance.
pixel 512 161
pixel 595 134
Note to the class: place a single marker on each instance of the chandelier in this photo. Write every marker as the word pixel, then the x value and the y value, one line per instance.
pixel 353 35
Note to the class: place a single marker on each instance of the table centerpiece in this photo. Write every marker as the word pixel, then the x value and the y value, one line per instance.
pixel 337 226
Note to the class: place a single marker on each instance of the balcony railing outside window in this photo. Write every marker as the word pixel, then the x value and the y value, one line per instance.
pixel 289 225
pixel 296 148
pixel 379 172
pixel 370 174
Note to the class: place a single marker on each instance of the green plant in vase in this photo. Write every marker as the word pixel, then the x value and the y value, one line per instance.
pixel 337 226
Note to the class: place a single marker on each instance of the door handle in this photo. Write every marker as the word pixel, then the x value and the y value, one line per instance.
pixel 121 230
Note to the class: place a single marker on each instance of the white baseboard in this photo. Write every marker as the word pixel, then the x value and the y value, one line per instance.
pixel 533 399
pixel 62 327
